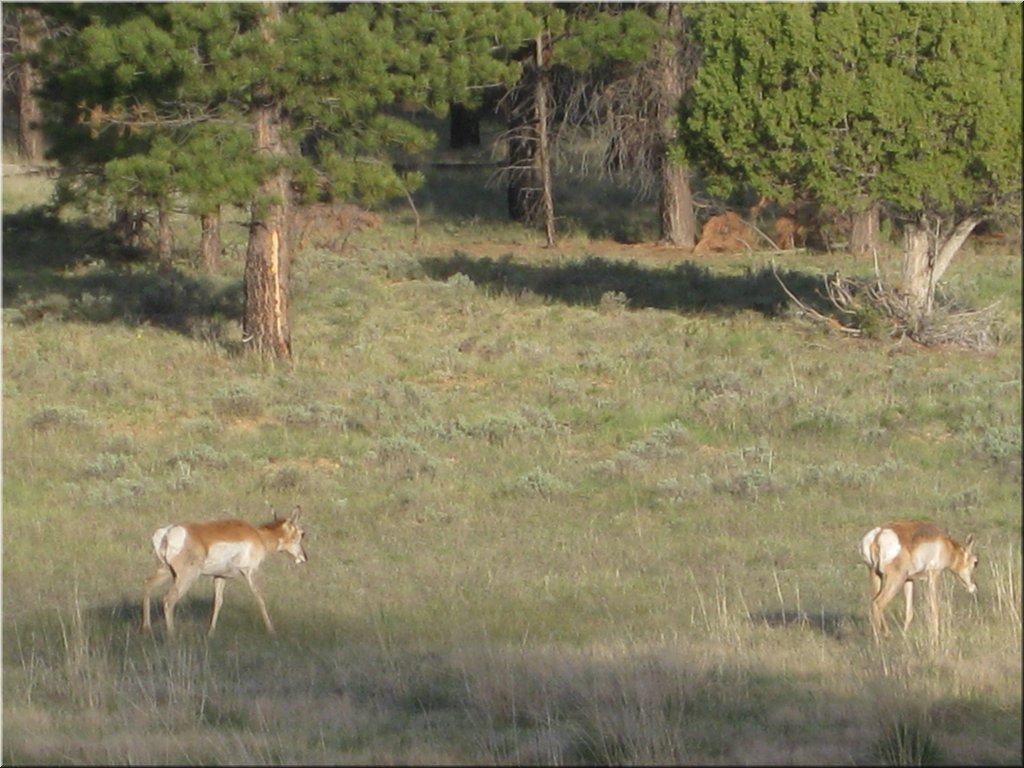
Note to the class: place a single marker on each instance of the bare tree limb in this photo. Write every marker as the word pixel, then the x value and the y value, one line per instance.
pixel 814 314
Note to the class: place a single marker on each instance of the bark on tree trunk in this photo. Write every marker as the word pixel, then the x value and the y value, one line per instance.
pixel 210 242
pixel 927 255
pixel 678 220
pixel 31 142
pixel 864 232
pixel 164 239
pixel 543 156
pixel 265 324
pixel 527 165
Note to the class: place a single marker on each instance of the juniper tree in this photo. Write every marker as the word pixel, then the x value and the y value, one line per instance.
pixel 915 108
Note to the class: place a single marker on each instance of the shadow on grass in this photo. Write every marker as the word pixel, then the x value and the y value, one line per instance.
pixel 239 614
pixel 838 626
pixel 194 610
pixel 504 700
pixel 72 270
pixel 503 703
pixel 78 272
pixel 683 287
pixel 191 610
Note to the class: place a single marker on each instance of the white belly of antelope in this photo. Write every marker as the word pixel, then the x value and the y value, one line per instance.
pixel 228 558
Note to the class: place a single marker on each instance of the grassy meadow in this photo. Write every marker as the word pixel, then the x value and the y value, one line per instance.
pixel 598 504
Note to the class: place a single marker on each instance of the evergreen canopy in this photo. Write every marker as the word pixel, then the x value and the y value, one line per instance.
pixel 914 106
pixel 161 95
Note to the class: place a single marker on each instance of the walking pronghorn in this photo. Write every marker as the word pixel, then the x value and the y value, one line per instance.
pixel 899 552
pixel 222 549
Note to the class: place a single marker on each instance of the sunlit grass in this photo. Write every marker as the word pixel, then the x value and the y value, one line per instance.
pixel 541 529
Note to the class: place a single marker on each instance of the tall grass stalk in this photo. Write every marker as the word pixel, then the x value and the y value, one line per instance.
pixel 1005 583
pixel 907 740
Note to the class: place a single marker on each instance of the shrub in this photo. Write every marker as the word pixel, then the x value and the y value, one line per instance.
pixel 285 479
pixel 403 455
pixel 324 415
pixel 662 442
pixel 540 482
pixel 108 465
pixel 1002 443
pixel 200 455
pixel 238 401
pixel 56 417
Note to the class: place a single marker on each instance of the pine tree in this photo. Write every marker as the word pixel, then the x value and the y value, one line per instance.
pixel 642 57
pixel 568 81
pixel 212 105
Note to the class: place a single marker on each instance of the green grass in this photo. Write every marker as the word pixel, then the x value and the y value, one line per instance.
pixel 597 504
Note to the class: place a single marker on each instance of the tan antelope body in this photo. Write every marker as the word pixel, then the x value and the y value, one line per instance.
pixel 900 552
pixel 222 549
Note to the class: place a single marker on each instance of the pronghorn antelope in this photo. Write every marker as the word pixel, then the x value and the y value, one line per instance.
pixel 222 549
pixel 897 553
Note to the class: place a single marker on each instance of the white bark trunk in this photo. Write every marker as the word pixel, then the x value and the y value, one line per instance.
pixel 927 255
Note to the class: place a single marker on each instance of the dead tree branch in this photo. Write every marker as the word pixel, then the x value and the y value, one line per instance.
pixel 872 309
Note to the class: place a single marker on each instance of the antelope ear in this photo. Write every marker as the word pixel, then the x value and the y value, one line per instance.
pixel 296 512
pixel 969 541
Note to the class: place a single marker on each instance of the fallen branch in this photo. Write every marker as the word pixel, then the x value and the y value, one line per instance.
pixel 814 314
pixel 771 242
pixel 879 310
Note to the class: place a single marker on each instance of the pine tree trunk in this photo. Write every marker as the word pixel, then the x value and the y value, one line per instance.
pixel 31 142
pixel 164 239
pixel 265 324
pixel 543 155
pixel 678 220
pixel 525 167
pixel 210 241
pixel 926 257
pixel 864 232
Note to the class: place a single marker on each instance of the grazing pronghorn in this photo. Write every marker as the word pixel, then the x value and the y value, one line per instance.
pixel 221 549
pixel 897 553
